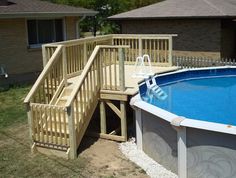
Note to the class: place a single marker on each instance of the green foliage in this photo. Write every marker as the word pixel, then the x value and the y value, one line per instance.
pixel 105 9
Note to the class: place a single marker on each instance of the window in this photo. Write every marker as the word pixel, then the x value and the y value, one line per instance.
pixel 44 31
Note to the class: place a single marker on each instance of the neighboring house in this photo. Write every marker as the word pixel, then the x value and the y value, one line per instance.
pixel 27 24
pixel 205 28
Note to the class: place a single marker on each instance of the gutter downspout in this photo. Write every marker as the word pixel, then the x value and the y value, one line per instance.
pixel 77 26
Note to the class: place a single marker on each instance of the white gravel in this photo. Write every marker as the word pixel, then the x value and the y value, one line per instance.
pixel 151 167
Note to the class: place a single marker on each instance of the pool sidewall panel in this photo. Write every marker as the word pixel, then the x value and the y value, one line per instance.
pixel 210 154
pixel 159 141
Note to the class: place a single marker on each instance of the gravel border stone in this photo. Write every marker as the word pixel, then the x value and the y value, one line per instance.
pixel 151 167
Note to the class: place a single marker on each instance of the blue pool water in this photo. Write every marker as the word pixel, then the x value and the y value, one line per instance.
pixel 208 99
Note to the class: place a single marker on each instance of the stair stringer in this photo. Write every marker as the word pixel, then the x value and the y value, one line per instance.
pixel 80 132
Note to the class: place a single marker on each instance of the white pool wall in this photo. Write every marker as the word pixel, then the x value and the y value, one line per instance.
pixel 194 139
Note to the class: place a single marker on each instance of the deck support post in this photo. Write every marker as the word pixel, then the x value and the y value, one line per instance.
pixel 29 116
pixel 182 152
pixel 123 119
pixel 103 117
pixel 64 61
pixel 72 132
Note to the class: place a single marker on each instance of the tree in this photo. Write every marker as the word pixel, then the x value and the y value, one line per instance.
pixel 105 9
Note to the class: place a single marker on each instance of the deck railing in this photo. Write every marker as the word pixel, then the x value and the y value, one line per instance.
pixel 49 80
pixel 49 126
pixel 77 52
pixel 158 47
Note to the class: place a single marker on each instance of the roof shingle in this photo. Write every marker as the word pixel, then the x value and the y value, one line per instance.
pixel 183 9
pixel 25 8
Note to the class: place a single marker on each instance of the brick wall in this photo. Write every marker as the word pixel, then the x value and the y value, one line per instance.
pixel 14 52
pixel 228 39
pixel 195 37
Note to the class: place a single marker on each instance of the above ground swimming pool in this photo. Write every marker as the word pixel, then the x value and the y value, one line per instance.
pixel 191 131
pixel 208 95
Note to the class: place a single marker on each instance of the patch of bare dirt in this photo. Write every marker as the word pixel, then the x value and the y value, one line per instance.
pixel 106 160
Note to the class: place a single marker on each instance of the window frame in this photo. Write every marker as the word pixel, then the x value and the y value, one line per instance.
pixel 39 45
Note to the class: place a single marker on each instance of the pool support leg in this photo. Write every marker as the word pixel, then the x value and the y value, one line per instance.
pixel 138 123
pixel 182 148
pixel 182 152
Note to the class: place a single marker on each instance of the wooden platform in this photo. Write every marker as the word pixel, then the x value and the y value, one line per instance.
pixel 131 83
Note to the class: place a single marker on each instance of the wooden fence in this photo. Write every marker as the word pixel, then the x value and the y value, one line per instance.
pixel 194 62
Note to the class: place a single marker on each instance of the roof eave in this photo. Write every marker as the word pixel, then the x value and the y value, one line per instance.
pixel 45 14
pixel 166 18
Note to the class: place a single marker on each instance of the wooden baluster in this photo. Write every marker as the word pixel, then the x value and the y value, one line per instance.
pixel 41 124
pixel 55 124
pixel 45 111
pixel 60 125
pixel 65 128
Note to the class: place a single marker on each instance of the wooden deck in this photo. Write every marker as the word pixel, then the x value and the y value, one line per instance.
pixel 80 75
pixel 131 82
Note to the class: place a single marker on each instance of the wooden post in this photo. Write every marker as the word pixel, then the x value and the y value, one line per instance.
pixel 103 124
pixel 170 50
pixel 30 122
pixel 64 62
pixel 122 68
pixel 140 45
pixel 29 116
pixel 44 54
pixel 72 134
pixel 123 119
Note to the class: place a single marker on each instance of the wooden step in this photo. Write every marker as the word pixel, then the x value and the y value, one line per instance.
pixel 67 91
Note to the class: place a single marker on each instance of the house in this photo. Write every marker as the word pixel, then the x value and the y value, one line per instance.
pixel 27 24
pixel 205 28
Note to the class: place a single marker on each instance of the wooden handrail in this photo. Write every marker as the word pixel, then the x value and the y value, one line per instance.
pixel 86 70
pixel 46 69
pixel 153 36
pixel 80 41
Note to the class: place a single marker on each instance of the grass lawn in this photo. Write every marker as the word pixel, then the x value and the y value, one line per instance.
pixel 97 159
pixel 15 157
